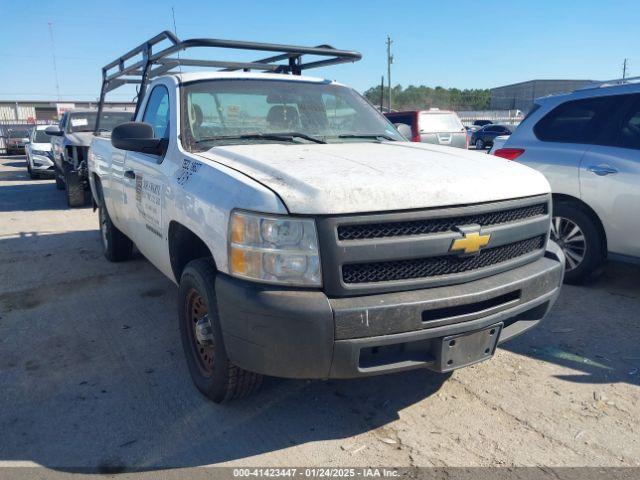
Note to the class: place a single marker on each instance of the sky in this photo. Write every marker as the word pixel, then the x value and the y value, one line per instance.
pixel 463 44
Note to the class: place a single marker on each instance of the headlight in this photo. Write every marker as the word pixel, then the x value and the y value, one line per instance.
pixel 274 249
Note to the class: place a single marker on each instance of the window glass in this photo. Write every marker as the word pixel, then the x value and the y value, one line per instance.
pixel 406 118
pixel 40 137
pixel 439 122
pixel 580 121
pixel 629 135
pixel 156 112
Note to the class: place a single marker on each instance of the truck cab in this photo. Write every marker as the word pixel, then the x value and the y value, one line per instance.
pixel 307 237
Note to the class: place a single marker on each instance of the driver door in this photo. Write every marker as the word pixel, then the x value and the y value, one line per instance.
pixel 145 183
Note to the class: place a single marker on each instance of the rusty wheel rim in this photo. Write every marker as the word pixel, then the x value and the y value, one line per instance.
pixel 196 308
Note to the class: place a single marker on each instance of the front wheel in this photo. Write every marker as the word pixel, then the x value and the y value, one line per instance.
pixel 32 174
pixel 578 235
pixel 116 245
pixel 75 189
pixel 59 181
pixel 210 368
pixel 479 145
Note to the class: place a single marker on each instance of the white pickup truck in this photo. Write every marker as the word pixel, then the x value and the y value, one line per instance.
pixel 308 238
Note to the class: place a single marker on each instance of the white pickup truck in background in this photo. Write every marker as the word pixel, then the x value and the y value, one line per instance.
pixel 308 238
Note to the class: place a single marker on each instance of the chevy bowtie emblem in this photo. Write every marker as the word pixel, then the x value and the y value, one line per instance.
pixel 472 241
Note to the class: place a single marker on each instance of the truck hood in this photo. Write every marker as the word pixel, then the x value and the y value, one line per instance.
pixel 79 139
pixel 371 177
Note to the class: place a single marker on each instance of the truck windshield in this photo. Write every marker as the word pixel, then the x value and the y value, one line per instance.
pixel 86 122
pixel 225 112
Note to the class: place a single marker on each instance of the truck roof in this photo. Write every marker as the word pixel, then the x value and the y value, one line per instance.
pixel 213 75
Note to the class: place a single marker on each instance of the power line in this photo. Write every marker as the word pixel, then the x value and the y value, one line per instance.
pixel 389 62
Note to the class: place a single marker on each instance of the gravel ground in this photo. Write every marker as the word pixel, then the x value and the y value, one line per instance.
pixel 92 374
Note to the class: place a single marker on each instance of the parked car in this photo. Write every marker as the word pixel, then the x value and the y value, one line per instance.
pixel 587 144
pixel 70 141
pixel 440 127
pixel 483 138
pixel 17 138
pixel 482 123
pixel 38 151
pixel 307 238
pixel 498 143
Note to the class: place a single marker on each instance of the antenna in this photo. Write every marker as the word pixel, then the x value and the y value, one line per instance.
pixel 53 54
pixel 175 32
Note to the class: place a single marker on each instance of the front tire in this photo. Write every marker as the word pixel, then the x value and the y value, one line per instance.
pixel 75 189
pixel 32 174
pixel 116 245
pixel 58 175
pixel 210 368
pixel 577 233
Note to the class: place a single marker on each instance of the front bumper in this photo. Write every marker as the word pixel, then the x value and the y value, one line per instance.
pixel 297 333
pixel 41 163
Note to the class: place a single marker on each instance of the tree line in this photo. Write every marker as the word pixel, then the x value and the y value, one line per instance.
pixel 423 98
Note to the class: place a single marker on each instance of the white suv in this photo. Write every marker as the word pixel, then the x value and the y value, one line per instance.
pixel 587 144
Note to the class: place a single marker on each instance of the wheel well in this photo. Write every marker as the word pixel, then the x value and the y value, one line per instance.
pixel 560 197
pixel 97 198
pixel 184 246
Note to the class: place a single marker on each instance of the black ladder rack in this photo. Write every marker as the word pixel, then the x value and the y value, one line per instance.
pixel 152 64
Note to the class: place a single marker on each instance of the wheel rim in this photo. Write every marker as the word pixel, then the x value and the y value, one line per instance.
pixel 197 311
pixel 103 228
pixel 479 144
pixel 568 235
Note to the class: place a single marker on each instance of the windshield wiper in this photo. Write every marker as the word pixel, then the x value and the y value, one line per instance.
pixel 284 136
pixel 367 135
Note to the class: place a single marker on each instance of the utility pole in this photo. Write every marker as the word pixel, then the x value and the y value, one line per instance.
pixel 389 62
pixel 53 54
pixel 382 93
pixel 624 69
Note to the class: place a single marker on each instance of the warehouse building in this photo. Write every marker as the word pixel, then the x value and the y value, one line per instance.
pixel 520 96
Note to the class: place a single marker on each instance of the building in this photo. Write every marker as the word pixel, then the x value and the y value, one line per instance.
pixel 46 111
pixel 520 96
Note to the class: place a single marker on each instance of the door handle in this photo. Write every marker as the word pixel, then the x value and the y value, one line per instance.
pixel 130 174
pixel 602 170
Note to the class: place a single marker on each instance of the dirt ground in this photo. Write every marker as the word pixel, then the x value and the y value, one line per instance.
pixel 92 374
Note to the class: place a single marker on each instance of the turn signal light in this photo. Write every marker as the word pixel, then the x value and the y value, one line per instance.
pixel 509 153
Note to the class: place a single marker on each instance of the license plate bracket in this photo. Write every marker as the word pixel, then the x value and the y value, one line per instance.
pixel 463 349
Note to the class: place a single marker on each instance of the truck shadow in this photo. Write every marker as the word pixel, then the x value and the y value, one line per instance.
pixel 593 330
pixel 39 195
pixel 94 380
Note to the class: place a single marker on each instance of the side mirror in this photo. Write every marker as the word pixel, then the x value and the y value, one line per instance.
pixel 138 137
pixel 54 130
pixel 404 130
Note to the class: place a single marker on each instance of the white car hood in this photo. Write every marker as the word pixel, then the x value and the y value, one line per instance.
pixel 372 177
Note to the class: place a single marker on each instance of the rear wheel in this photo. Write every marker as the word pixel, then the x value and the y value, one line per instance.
pixel 578 235
pixel 116 245
pixel 75 189
pixel 479 144
pixel 210 368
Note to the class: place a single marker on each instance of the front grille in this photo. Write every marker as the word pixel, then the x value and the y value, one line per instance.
pixel 435 266
pixel 437 225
